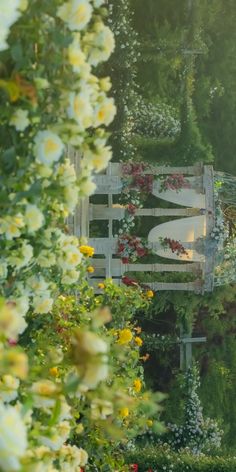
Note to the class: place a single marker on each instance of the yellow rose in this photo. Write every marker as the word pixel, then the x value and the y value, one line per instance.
pixel 124 412
pixel 87 251
pixel 149 423
pixel 90 269
pixel 125 336
pixel 149 294
pixel 54 371
pixel 137 385
pixel 101 286
pixel 138 341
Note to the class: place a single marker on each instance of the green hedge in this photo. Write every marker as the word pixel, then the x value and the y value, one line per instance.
pixel 162 459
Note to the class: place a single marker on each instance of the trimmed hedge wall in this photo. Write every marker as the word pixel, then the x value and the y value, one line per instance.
pixel 162 459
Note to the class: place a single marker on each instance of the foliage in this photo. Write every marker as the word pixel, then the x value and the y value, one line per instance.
pixel 122 67
pixel 163 459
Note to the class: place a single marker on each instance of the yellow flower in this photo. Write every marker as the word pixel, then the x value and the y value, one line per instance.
pixel 124 412
pixel 125 336
pixel 54 371
pixel 137 385
pixel 138 341
pixel 138 329
pixel 149 423
pixel 87 251
pixel 90 269
pixel 149 294
pixel 145 358
pixel 101 286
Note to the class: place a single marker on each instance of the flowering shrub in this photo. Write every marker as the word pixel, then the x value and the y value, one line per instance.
pixel 130 248
pixel 175 246
pixel 127 224
pixel 156 120
pixel 86 373
pixel 197 433
pixel 135 177
pixel 159 342
pixel 174 182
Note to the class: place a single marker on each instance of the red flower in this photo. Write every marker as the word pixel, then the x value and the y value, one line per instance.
pixel 128 281
pixel 131 208
pixel 141 251
pixel 121 247
pixel 125 260
pixel 134 468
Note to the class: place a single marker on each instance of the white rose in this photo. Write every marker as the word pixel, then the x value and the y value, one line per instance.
pixel 34 218
pixel 70 258
pixel 13 438
pixel 48 147
pixel 43 304
pixel 57 436
pixel 8 388
pixel 12 323
pixel 76 14
pixel 80 108
pixel 20 120
pixel 87 187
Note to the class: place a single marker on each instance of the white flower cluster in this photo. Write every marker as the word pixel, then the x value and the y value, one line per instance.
pixel 197 433
pixel 10 11
pixel 156 120
pixel 127 224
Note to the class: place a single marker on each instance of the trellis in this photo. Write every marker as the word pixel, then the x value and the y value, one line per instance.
pixel 107 265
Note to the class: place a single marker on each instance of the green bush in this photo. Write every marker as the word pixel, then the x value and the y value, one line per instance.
pixel 163 459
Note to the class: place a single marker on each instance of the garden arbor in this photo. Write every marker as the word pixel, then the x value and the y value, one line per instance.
pixel 193 240
pixel 191 220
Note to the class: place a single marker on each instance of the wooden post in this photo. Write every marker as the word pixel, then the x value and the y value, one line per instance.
pixel 104 245
pixel 186 348
pixel 197 169
pixel 195 286
pixel 118 269
pixel 79 221
pixel 104 212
